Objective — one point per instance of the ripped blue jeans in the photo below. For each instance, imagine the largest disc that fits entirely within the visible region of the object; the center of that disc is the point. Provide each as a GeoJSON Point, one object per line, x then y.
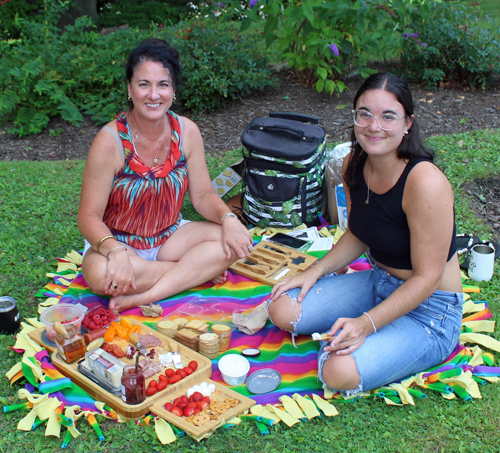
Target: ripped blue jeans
{"type": "Point", "coordinates": [419, 340]}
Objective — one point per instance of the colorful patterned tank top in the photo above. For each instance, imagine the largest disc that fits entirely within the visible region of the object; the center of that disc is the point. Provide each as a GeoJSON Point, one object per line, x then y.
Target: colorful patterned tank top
{"type": "Point", "coordinates": [144, 207]}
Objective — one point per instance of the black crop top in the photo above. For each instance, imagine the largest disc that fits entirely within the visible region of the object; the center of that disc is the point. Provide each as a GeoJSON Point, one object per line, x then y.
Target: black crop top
{"type": "Point", "coordinates": [382, 225]}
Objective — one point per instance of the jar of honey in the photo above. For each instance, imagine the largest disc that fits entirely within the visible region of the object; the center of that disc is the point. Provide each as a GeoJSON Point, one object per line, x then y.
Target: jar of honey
{"type": "Point", "coordinates": [133, 385]}
{"type": "Point", "coordinates": [69, 342]}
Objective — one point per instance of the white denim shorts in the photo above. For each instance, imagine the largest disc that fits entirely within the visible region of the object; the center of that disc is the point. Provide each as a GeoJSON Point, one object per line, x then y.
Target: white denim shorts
{"type": "Point", "coordinates": [147, 254]}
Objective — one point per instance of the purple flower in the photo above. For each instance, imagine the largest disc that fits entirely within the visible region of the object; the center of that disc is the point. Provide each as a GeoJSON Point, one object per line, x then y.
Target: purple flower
{"type": "Point", "coordinates": [219, 4]}
{"type": "Point", "coordinates": [406, 35]}
{"type": "Point", "coordinates": [334, 49]}
{"type": "Point", "coordinates": [423, 44]}
{"type": "Point", "coordinates": [415, 35]}
{"type": "Point", "coordinates": [253, 3]}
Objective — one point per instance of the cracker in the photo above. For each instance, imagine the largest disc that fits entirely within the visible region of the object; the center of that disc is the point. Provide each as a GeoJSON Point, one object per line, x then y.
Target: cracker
{"type": "Point", "coordinates": [209, 337]}
{"type": "Point", "coordinates": [181, 322]}
{"type": "Point", "coordinates": [188, 333]}
{"type": "Point", "coordinates": [201, 419]}
{"type": "Point", "coordinates": [194, 324]}
{"type": "Point", "coordinates": [167, 325]}
{"type": "Point", "coordinates": [220, 328]}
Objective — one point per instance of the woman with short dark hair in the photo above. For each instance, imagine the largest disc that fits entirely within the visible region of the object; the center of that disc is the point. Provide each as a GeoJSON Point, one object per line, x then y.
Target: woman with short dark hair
{"type": "Point", "coordinates": [138, 248]}
{"type": "Point", "coordinates": [404, 315]}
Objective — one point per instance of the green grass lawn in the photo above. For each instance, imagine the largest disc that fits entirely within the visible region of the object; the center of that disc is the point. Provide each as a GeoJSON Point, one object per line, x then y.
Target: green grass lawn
{"type": "Point", "coordinates": [488, 10]}
{"type": "Point", "coordinates": [38, 206]}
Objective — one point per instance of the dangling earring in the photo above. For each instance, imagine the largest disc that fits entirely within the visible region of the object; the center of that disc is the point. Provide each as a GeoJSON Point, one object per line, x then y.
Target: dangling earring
{"type": "Point", "coordinates": [129, 98]}
{"type": "Point", "coordinates": [174, 98]}
{"type": "Point", "coordinates": [406, 132]}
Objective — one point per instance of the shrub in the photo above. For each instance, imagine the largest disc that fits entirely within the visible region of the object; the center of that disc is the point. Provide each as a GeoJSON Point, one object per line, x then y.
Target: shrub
{"type": "Point", "coordinates": [325, 40]}
{"type": "Point", "coordinates": [140, 13]}
{"type": "Point", "coordinates": [8, 11]}
{"type": "Point", "coordinates": [47, 74]}
{"type": "Point", "coordinates": [219, 63]}
{"type": "Point", "coordinates": [451, 48]}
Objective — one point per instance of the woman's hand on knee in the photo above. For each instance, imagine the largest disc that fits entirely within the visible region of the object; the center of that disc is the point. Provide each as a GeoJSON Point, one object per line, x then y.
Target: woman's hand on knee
{"type": "Point", "coordinates": [120, 275]}
{"type": "Point", "coordinates": [348, 334]}
{"type": "Point", "coordinates": [235, 237]}
{"type": "Point", "coordinates": [304, 280]}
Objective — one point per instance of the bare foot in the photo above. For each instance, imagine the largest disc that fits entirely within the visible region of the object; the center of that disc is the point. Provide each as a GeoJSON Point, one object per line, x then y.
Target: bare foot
{"type": "Point", "coordinates": [127, 301]}
{"type": "Point", "coordinates": [220, 279]}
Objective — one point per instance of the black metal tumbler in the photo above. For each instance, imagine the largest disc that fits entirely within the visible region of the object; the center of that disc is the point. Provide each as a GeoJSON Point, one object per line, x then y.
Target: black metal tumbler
{"type": "Point", "coordinates": [9, 315]}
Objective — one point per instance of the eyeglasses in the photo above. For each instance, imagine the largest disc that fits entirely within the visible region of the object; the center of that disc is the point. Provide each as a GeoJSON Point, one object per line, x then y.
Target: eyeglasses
{"type": "Point", "coordinates": [387, 122]}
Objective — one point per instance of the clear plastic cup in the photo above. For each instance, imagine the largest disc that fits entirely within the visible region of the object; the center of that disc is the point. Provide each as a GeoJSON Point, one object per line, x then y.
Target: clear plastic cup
{"type": "Point", "coordinates": [63, 313]}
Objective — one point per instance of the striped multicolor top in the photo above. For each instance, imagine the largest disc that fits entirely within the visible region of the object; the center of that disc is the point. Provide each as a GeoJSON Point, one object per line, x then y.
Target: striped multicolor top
{"type": "Point", "coordinates": [144, 206]}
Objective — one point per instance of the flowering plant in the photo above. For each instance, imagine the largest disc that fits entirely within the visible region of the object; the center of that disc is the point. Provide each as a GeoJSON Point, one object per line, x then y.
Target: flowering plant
{"type": "Point", "coordinates": [451, 49]}
{"type": "Point", "coordinates": [325, 40]}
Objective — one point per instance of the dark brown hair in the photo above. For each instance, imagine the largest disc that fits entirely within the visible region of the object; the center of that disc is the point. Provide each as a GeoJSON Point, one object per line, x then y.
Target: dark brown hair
{"type": "Point", "coordinates": [411, 145]}
{"type": "Point", "coordinates": [156, 50]}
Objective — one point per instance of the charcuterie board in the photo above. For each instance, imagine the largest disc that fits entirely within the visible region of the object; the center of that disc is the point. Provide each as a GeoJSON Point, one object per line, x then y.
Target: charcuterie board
{"type": "Point", "coordinates": [128, 411]}
{"type": "Point", "coordinates": [268, 263]}
{"type": "Point", "coordinates": [236, 405]}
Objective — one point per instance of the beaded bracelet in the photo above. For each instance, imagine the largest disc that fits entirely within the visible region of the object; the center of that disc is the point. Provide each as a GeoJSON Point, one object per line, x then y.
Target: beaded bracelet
{"type": "Point", "coordinates": [102, 240]}
{"type": "Point", "coordinates": [326, 269]}
{"type": "Point", "coordinates": [371, 320]}
{"type": "Point", "coordinates": [116, 248]}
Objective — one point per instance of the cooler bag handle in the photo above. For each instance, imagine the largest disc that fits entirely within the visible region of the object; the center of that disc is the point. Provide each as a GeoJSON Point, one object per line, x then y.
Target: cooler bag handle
{"type": "Point", "coordinates": [296, 134]}
{"type": "Point", "coordinates": [295, 117]}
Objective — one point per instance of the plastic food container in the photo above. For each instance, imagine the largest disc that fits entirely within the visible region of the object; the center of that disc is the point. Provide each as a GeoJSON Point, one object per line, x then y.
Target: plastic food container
{"type": "Point", "coordinates": [234, 369]}
{"type": "Point", "coordinates": [107, 317]}
{"type": "Point", "coordinates": [65, 314]}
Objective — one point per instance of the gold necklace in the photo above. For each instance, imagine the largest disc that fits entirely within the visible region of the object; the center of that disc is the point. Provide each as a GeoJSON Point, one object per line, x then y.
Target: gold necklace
{"type": "Point", "coordinates": [160, 140]}
{"type": "Point", "coordinates": [369, 192]}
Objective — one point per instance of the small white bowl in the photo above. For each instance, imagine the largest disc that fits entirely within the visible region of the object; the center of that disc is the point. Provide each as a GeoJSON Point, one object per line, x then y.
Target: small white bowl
{"type": "Point", "coordinates": [234, 369]}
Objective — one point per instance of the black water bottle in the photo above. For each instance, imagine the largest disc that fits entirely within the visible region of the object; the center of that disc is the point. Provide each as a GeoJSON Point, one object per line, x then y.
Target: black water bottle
{"type": "Point", "coordinates": [9, 316]}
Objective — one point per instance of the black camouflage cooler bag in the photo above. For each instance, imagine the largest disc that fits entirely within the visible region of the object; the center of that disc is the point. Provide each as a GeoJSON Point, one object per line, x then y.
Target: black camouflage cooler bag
{"type": "Point", "coordinates": [283, 180]}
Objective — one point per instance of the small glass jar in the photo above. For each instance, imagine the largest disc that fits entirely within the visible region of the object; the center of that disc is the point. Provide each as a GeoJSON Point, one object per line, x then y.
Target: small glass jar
{"type": "Point", "coordinates": [133, 385]}
{"type": "Point", "coordinates": [70, 344]}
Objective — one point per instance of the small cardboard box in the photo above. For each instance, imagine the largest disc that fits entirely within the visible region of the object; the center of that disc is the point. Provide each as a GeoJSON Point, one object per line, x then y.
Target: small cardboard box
{"type": "Point", "coordinates": [228, 178]}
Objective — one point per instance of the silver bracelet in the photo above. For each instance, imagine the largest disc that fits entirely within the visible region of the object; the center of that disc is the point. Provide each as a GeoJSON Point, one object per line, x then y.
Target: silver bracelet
{"type": "Point", "coordinates": [371, 320]}
{"type": "Point", "coordinates": [326, 269]}
{"type": "Point", "coordinates": [231, 214]}
{"type": "Point", "coordinates": [116, 248]}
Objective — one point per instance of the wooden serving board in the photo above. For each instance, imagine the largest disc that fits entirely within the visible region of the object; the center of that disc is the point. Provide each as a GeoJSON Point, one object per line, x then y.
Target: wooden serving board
{"type": "Point", "coordinates": [128, 411]}
{"type": "Point", "coordinates": [270, 262]}
{"type": "Point", "coordinates": [221, 393]}
{"type": "Point", "coordinates": [37, 336]}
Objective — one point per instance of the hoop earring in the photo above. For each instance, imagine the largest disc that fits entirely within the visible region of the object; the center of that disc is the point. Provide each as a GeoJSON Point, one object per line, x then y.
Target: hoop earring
{"type": "Point", "coordinates": [129, 98]}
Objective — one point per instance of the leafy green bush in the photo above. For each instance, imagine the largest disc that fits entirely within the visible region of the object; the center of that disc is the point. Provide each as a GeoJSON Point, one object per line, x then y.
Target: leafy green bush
{"type": "Point", "coordinates": [219, 63]}
{"type": "Point", "coordinates": [451, 48]}
{"type": "Point", "coordinates": [47, 74]}
{"type": "Point", "coordinates": [325, 40]}
{"type": "Point", "coordinates": [140, 13]}
{"type": "Point", "coordinates": [23, 8]}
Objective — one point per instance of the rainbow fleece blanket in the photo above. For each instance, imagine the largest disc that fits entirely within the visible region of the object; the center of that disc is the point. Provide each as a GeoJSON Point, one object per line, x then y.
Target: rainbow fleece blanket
{"type": "Point", "coordinates": [296, 364]}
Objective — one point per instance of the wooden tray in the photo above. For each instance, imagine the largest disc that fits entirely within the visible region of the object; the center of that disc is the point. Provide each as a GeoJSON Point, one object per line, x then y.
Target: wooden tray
{"type": "Point", "coordinates": [128, 411]}
{"type": "Point", "coordinates": [270, 262]}
{"type": "Point", "coordinates": [37, 336]}
{"type": "Point", "coordinates": [221, 392]}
